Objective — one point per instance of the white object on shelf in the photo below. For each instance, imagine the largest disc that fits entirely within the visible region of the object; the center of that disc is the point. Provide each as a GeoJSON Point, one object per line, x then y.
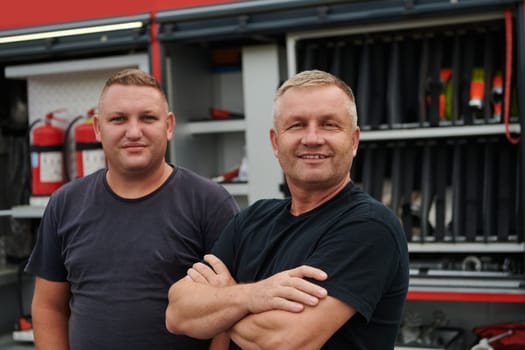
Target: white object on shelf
{"type": "Point", "coordinates": [215, 126]}
{"type": "Point", "coordinates": [23, 336]}
{"type": "Point", "coordinates": [236, 189]}
{"type": "Point", "coordinates": [243, 170]}
{"type": "Point", "coordinates": [76, 66]}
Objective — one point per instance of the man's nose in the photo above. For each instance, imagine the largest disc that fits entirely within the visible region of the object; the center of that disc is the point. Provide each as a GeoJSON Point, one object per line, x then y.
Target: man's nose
{"type": "Point", "coordinates": [133, 129]}
{"type": "Point", "coordinates": [312, 136]}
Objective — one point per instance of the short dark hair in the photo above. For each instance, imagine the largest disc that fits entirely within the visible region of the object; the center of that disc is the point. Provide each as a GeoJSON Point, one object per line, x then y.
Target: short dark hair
{"type": "Point", "coordinates": [133, 77]}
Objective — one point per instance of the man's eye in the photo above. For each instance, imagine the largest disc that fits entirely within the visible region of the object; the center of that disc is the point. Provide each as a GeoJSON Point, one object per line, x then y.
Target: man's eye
{"type": "Point", "coordinates": [149, 118]}
{"type": "Point", "coordinates": [330, 125]}
{"type": "Point", "coordinates": [118, 119]}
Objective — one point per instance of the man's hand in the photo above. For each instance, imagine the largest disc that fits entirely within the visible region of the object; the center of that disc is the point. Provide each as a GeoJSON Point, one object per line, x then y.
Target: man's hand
{"type": "Point", "coordinates": [287, 290]}
{"type": "Point", "coordinates": [217, 275]}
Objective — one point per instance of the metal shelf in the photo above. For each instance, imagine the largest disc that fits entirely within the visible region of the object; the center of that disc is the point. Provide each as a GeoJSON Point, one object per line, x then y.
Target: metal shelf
{"type": "Point", "coordinates": [24, 212]}
{"type": "Point", "coordinates": [215, 126]}
{"type": "Point", "coordinates": [236, 189]}
{"type": "Point", "coordinates": [407, 133]}
{"type": "Point", "coordinates": [464, 247]}
{"type": "Point", "coordinates": [78, 66]}
{"type": "Point", "coordinates": [8, 275]}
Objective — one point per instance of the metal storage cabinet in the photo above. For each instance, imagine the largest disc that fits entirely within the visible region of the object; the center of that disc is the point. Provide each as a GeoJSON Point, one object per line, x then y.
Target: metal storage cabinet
{"type": "Point", "coordinates": [48, 74]}
{"type": "Point", "coordinates": [213, 147]}
{"type": "Point", "coordinates": [448, 177]}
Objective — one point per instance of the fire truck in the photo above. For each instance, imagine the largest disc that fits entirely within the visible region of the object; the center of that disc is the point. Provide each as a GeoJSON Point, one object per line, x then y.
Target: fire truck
{"type": "Point", "coordinates": [440, 91]}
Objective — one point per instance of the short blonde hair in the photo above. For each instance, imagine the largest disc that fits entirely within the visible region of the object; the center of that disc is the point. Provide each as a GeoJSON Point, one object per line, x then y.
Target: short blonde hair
{"type": "Point", "coordinates": [314, 78]}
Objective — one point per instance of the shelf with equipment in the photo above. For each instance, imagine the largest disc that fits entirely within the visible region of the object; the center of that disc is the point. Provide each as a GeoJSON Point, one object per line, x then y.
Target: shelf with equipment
{"type": "Point", "coordinates": [72, 86]}
{"type": "Point", "coordinates": [222, 96]}
{"type": "Point", "coordinates": [426, 148]}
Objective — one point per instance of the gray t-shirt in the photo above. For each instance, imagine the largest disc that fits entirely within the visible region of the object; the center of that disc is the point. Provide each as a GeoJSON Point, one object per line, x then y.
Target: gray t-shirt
{"type": "Point", "coordinates": [122, 255]}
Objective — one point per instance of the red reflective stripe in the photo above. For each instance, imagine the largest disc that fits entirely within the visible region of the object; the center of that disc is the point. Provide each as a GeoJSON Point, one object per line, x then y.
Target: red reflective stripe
{"type": "Point", "coordinates": [466, 296]}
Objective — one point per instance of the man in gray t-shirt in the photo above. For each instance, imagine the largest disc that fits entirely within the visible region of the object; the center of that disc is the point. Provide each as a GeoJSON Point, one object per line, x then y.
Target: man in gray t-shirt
{"type": "Point", "coordinates": [110, 244]}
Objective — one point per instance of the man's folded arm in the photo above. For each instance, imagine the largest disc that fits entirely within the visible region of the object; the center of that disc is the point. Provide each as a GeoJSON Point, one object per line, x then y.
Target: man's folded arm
{"type": "Point", "coordinates": [277, 329]}
{"type": "Point", "coordinates": [208, 301]}
{"type": "Point", "coordinates": [203, 311]}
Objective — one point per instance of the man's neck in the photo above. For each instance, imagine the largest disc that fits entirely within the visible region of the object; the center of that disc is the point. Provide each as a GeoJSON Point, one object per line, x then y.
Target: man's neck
{"type": "Point", "coordinates": [137, 185]}
{"type": "Point", "coordinates": [306, 199]}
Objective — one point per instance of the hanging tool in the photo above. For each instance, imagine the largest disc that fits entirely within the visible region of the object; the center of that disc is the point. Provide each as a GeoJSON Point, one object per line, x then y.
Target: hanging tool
{"type": "Point", "coordinates": [484, 342]}
{"type": "Point", "coordinates": [363, 87]}
{"type": "Point", "coordinates": [458, 184]}
{"type": "Point", "coordinates": [497, 96]}
{"type": "Point", "coordinates": [466, 68]}
{"type": "Point", "coordinates": [505, 191]}
{"type": "Point", "coordinates": [393, 86]}
{"type": "Point", "coordinates": [422, 85]}
{"type": "Point", "coordinates": [488, 203]}
{"type": "Point", "coordinates": [378, 88]}
{"type": "Point", "coordinates": [410, 59]}
{"type": "Point", "coordinates": [471, 190]}
{"type": "Point", "coordinates": [488, 64]}
{"type": "Point", "coordinates": [349, 69]}
{"type": "Point", "coordinates": [434, 87]}
{"type": "Point", "coordinates": [408, 185]}
{"type": "Point", "coordinates": [445, 97]}
{"type": "Point", "coordinates": [396, 176]}
{"type": "Point", "coordinates": [455, 79]}
{"type": "Point", "coordinates": [441, 171]}
{"type": "Point", "coordinates": [508, 74]}
{"type": "Point", "coordinates": [335, 64]}
{"type": "Point", "coordinates": [218, 113]}
{"type": "Point", "coordinates": [477, 89]}
{"type": "Point", "coordinates": [427, 188]}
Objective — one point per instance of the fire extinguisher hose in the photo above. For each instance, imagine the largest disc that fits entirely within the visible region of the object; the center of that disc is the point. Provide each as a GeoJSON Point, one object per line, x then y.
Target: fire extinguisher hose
{"type": "Point", "coordinates": [65, 149]}
{"type": "Point", "coordinates": [508, 75]}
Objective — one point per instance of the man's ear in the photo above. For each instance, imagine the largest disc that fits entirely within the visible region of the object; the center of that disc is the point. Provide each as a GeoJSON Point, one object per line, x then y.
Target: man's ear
{"type": "Point", "coordinates": [355, 140]}
{"type": "Point", "coordinates": [96, 126]}
{"type": "Point", "coordinates": [172, 122]}
{"type": "Point", "coordinates": [274, 142]}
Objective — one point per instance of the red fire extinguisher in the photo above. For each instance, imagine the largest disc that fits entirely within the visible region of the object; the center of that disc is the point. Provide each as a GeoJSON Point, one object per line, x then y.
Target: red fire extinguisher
{"type": "Point", "coordinates": [47, 158]}
{"type": "Point", "coordinates": [89, 153]}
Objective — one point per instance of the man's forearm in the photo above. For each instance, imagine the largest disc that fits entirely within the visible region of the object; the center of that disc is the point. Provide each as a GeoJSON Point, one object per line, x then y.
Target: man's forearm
{"type": "Point", "coordinates": [220, 342]}
{"type": "Point", "coordinates": [203, 311]}
{"type": "Point", "coordinates": [50, 330]}
{"type": "Point", "coordinates": [270, 330]}
{"type": "Point", "coordinates": [208, 301]}
{"type": "Point", "coordinates": [278, 329]}
{"type": "Point", "coordinates": [261, 331]}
